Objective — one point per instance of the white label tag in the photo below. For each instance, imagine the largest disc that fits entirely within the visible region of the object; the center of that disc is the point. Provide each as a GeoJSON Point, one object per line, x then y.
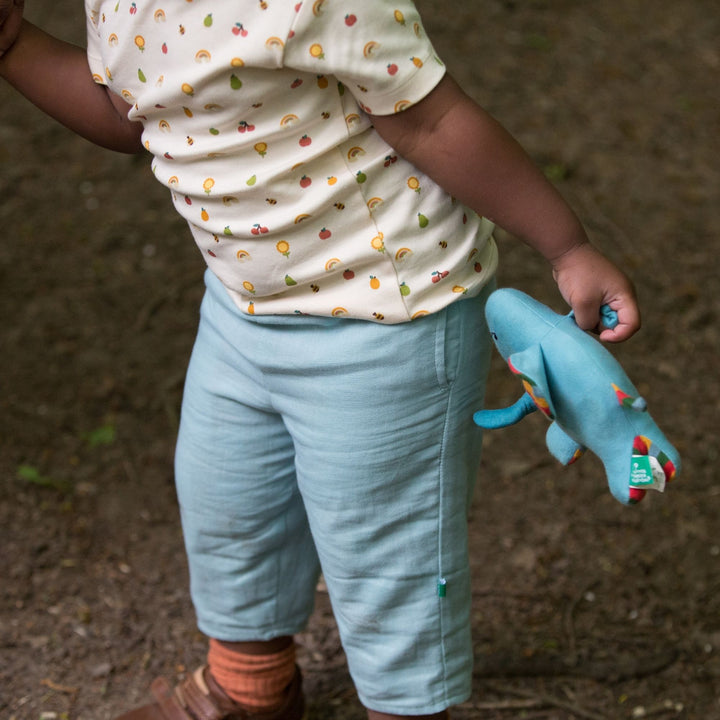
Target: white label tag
{"type": "Point", "coordinates": [646, 473]}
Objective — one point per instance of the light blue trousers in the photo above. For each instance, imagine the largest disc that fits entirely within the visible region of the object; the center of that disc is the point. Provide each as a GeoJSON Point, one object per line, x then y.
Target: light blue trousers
{"type": "Point", "coordinates": [346, 446]}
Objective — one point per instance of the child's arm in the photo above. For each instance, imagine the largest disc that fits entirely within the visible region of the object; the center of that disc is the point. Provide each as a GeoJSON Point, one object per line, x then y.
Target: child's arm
{"type": "Point", "coordinates": [449, 137]}
{"type": "Point", "coordinates": [55, 76]}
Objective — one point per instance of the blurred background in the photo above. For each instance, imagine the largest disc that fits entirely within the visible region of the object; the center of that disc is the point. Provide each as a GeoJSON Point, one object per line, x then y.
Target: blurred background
{"type": "Point", "coordinates": [583, 608]}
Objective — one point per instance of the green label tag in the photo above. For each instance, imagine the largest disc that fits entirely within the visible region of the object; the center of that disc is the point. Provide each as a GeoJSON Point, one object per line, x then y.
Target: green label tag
{"type": "Point", "coordinates": [646, 473]}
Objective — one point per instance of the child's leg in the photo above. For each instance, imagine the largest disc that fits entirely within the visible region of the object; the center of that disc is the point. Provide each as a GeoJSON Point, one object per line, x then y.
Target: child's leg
{"type": "Point", "coordinates": [386, 457]}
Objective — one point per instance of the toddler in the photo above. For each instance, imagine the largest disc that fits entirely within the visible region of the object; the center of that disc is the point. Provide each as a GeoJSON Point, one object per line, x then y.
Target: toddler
{"type": "Point", "coordinates": [342, 190]}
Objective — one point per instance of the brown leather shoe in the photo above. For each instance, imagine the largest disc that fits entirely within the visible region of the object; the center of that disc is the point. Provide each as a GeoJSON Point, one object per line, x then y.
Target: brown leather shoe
{"type": "Point", "coordinates": [199, 697]}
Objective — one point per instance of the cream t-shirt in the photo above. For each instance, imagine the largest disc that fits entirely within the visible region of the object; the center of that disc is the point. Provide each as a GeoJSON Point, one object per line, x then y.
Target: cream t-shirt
{"type": "Point", "coordinates": [256, 114]}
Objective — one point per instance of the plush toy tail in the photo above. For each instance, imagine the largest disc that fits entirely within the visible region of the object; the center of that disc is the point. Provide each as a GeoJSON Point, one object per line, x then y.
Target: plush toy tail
{"type": "Point", "coordinates": [502, 417]}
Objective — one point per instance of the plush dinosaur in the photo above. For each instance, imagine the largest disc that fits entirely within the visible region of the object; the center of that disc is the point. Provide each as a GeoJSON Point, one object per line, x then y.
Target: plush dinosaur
{"type": "Point", "coordinates": [573, 380]}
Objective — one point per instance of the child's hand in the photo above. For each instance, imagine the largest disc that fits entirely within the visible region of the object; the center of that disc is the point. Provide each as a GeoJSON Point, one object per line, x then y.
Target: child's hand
{"type": "Point", "coordinates": [11, 12]}
{"type": "Point", "coordinates": [587, 280]}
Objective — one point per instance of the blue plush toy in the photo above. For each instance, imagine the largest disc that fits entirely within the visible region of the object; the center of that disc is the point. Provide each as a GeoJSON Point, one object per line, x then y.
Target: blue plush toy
{"type": "Point", "coordinates": [583, 390]}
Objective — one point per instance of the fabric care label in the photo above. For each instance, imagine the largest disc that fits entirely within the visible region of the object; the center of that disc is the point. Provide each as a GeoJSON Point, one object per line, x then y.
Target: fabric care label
{"type": "Point", "coordinates": [646, 473]}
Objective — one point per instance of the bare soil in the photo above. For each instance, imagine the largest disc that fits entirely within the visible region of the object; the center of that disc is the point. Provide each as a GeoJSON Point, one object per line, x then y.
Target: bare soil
{"type": "Point", "coordinates": [583, 609]}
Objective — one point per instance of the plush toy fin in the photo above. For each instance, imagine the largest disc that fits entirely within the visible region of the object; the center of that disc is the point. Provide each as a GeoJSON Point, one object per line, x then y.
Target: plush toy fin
{"type": "Point", "coordinates": [628, 401]}
{"type": "Point", "coordinates": [502, 417]}
{"type": "Point", "coordinates": [562, 446]}
{"type": "Point", "coordinates": [529, 364]}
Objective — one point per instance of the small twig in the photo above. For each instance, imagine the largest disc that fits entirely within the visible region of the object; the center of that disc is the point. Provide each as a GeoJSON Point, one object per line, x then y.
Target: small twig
{"type": "Point", "coordinates": [549, 700]}
{"type": "Point", "coordinates": [569, 622]}
{"type": "Point", "coordinates": [508, 705]}
{"type": "Point", "coordinates": [64, 689]}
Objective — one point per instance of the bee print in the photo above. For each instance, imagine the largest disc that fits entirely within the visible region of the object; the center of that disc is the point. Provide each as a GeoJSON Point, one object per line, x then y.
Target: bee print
{"type": "Point", "coordinates": [314, 288]}
{"type": "Point", "coordinates": [339, 206]}
{"type": "Point", "coordinates": [443, 244]}
{"type": "Point", "coordinates": [271, 201]}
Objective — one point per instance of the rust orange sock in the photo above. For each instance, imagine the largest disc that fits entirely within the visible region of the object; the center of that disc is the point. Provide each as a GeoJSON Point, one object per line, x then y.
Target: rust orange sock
{"type": "Point", "coordinates": [257, 682]}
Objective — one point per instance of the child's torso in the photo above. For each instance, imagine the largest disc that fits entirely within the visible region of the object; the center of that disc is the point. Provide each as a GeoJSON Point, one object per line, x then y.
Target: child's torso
{"type": "Point", "coordinates": [297, 204]}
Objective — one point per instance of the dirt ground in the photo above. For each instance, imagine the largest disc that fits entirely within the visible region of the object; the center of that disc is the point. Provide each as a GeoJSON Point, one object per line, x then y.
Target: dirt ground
{"type": "Point", "coordinates": [583, 609]}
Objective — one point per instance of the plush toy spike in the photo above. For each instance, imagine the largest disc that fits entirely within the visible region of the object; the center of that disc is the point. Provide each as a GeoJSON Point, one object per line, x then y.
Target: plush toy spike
{"type": "Point", "coordinates": [583, 390]}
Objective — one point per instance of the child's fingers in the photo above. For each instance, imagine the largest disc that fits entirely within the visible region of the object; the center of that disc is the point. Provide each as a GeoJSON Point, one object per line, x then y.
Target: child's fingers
{"type": "Point", "coordinates": [628, 323]}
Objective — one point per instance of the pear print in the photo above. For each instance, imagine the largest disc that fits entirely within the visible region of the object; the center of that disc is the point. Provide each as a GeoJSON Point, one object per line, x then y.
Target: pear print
{"type": "Point", "coordinates": [208, 21]}
{"type": "Point", "coordinates": [423, 222]}
{"type": "Point", "coordinates": [235, 82]}
{"type": "Point", "coordinates": [289, 281]}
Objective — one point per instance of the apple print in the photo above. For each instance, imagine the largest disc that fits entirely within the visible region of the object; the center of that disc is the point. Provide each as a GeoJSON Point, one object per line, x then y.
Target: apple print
{"type": "Point", "coordinates": [188, 200]}
{"type": "Point", "coordinates": [478, 267]}
{"type": "Point", "coordinates": [392, 69]}
{"type": "Point", "coordinates": [305, 141]}
{"type": "Point", "coordinates": [361, 177]}
{"type": "Point", "coordinates": [350, 20]}
{"type": "Point", "coordinates": [324, 234]}
{"type": "Point", "coordinates": [305, 181]}
{"type": "Point", "coordinates": [296, 83]}
{"type": "Point", "coordinates": [164, 48]}
{"type": "Point", "coordinates": [348, 274]}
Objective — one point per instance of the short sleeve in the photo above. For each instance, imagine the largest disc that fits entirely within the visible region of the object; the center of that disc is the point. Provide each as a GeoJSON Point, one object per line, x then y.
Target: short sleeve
{"type": "Point", "coordinates": [95, 61]}
{"type": "Point", "coordinates": [378, 50]}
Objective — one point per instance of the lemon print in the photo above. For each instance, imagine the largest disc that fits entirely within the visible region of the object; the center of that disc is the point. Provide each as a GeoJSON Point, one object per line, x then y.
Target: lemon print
{"type": "Point", "coordinates": [417, 62]}
{"type": "Point", "coordinates": [331, 180]}
{"type": "Point", "coordinates": [399, 17]}
{"type": "Point", "coordinates": [208, 185]}
{"type": "Point", "coordinates": [414, 184]}
{"type": "Point", "coordinates": [261, 148]}
{"type": "Point", "coordinates": [188, 89]}
{"type": "Point", "coordinates": [377, 243]}
{"type": "Point", "coordinates": [187, 110]}
{"type": "Point", "coordinates": [237, 62]}
{"type": "Point", "coordinates": [374, 282]}
{"type": "Point", "coordinates": [140, 42]}
{"type": "Point", "coordinates": [249, 286]}
{"type": "Point", "coordinates": [204, 214]}
{"type": "Point", "coordinates": [316, 51]}
{"type": "Point", "coordinates": [459, 289]}
{"type": "Point", "coordinates": [283, 247]}
{"type": "Point", "coordinates": [251, 308]}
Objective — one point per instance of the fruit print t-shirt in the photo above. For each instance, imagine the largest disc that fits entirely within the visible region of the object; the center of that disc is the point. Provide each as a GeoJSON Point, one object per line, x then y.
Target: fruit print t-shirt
{"type": "Point", "coordinates": [256, 113]}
